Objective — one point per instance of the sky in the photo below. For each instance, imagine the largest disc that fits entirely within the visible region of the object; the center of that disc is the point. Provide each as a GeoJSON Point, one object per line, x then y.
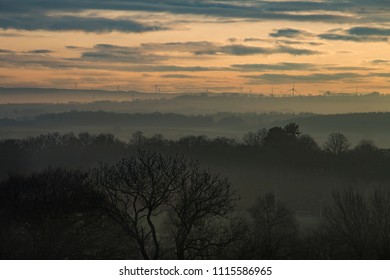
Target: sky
{"type": "Point", "coordinates": [248, 46]}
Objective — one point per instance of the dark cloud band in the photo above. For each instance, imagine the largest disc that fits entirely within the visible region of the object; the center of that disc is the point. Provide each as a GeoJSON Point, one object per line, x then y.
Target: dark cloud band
{"type": "Point", "coordinates": [72, 23]}
{"type": "Point", "coordinates": [34, 14]}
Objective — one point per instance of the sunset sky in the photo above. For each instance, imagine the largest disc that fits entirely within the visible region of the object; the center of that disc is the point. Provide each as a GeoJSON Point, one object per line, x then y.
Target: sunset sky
{"type": "Point", "coordinates": [190, 46]}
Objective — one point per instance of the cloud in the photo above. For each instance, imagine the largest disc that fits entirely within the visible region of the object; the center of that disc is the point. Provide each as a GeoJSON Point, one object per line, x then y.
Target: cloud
{"type": "Point", "coordinates": [369, 31]}
{"type": "Point", "coordinates": [294, 42]}
{"type": "Point", "coordinates": [32, 22]}
{"type": "Point", "coordinates": [73, 47]}
{"type": "Point", "coordinates": [177, 76]}
{"type": "Point", "coordinates": [289, 66]}
{"type": "Point", "coordinates": [296, 51]}
{"type": "Point", "coordinates": [210, 48]}
{"type": "Point", "coordinates": [311, 78]}
{"type": "Point", "coordinates": [382, 75]}
{"type": "Point", "coordinates": [347, 77]}
{"type": "Point", "coordinates": [195, 47]}
{"type": "Point", "coordinates": [5, 51]}
{"type": "Point", "coordinates": [242, 50]}
{"type": "Point", "coordinates": [358, 34]}
{"type": "Point", "coordinates": [348, 68]}
{"type": "Point", "coordinates": [40, 51]}
{"type": "Point", "coordinates": [353, 38]}
{"type": "Point", "coordinates": [34, 15]}
{"type": "Point", "coordinates": [119, 54]}
{"type": "Point", "coordinates": [289, 33]}
{"type": "Point", "coordinates": [175, 68]}
{"type": "Point", "coordinates": [9, 34]}
{"type": "Point", "coordinates": [253, 39]}
{"type": "Point", "coordinates": [32, 60]}
{"type": "Point", "coordinates": [102, 57]}
{"type": "Point", "coordinates": [297, 34]}
{"type": "Point", "coordinates": [232, 39]}
{"type": "Point", "coordinates": [364, 6]}
{"type": "Point", "coordinates": [380, 62]}
{"type": "Point", "coordinates": [286, 66]}
{"type": "Point", "coordinates": [144, 59]}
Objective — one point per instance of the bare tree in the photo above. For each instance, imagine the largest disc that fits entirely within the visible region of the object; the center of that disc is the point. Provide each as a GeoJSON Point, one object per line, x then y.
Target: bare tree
{"type": "Point", "coordinates": [381, 222]}
{"type": "Point", "coordinates": [255, 138]}
{"type": "Point", "coordinates": [137, 190]}
{"type": "Point", "coordinates": [365, 147]}
{"type": "Point", "coordinates": [199, 213]}
{"type": "Point", "coordinates": [346, 223]}
{"type": "Point", "coordinates": [307, 143]}
{"type": "Point", "coordinates": [274, 228]}
{"type": "Point", "coordinates": [337, 144]}
{"type": "Point", "coordinates": [138, 138]}
{"type": "Point", "coordinates": [144, 189]}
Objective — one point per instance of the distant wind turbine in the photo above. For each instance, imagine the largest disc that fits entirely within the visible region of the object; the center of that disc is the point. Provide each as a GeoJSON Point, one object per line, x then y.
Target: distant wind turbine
{"type": "Point", "coordinates": [293, 90]}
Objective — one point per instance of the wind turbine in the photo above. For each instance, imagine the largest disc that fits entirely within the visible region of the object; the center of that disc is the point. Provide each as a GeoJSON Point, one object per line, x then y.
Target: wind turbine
{"type": "Point", "coordinates": [293, 90]}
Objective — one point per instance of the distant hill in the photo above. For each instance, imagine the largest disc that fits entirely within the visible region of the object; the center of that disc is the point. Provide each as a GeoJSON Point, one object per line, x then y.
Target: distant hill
{"type": "Point", "coordinates": [62, 100]}
{"type": "Point", "coordinates": [195, 103]}
{"type": "Point", "coordinates": [54, 95]}
{"type": "Point", "coordinates": [355, 126]}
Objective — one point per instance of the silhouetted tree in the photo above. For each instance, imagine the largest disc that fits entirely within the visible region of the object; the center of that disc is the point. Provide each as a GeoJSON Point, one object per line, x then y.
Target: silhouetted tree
{"type": "Point", "coordinates": [198, 211]}
{"type": "Point", "coordinates": [50, 215]}
{"type": "Point", "coordinates": [307, 143]}
{"type": "Point", "coordinates": [346, 224]}
{"type": "Point", "coordinates": [276, 136]}
{"type": "Point", "coordinates": [275, 229]}
{"type": "Point", "coordinates": [85, 139]}
{"type": "Point", "coordinates": [138, 138]}
{"type": "Point", "coordinates": [141, 189]}
{"type": "Point", "coordinates": [366, 147]}
{"type": "Point", "coordinates": [137, 190]}
{"type": "Point", "coordinates": [255, 138]}
{"type": "Point", "coordinates": [381, 222]}
{"type": "Point", "coordinates": [156, 140]}
{"type": "Point", "coordinates": [282, 137]}
{"type": "Point", "coordinates": [337, 144]}
{"type": "Point", "coordinates": [292, 129]}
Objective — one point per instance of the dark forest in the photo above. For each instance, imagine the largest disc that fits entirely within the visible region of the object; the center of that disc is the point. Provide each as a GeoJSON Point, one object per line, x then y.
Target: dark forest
{"type": "Point", "coordinates": [274, 194]}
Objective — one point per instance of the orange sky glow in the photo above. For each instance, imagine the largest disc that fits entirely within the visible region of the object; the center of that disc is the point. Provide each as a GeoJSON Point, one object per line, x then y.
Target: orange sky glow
{"type": "Point", "coordinates": [194, 46]}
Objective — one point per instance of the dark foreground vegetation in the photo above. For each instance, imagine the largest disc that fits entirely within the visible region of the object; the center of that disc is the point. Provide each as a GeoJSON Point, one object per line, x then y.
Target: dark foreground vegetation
{"type": "Point", "coordinates": [274, 195]}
